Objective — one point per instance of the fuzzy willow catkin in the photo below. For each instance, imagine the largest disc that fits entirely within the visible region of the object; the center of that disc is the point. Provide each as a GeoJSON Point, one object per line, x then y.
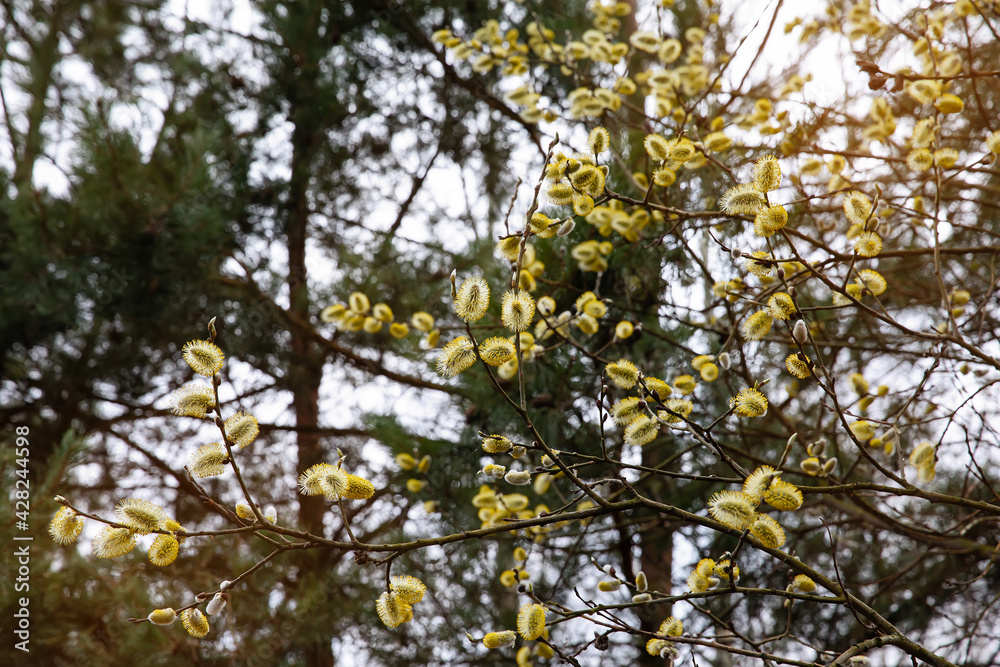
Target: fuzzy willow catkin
{"type": "Point", "coordinates": [531, 621]}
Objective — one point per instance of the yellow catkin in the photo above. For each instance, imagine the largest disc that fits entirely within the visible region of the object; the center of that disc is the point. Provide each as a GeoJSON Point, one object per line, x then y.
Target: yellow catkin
{"type": "Point", "coordinates": [767, 530]}
{"type": "Point", "coordinates": [671, 627]}
{"type": "Point", "coordinates": [496, 350]}
{"type": "Point", "coordinates": [531, 621]}
{"type": "Point", "coordinates": [782, 495]}
{"type": "Point", "coordinates": [757, 325]}
{"type": "Point", "coordinates": [455, 357]}
{"type": "Point", "coordinates": [742, 200]}
{"type": "Point", "coordinates": [203, 357]}
{"type": "Point", "coordinates": [623, 373]}
{"type": "Point", "coordinates": [766, 174]}
{"type": "Point", "coordinates": [409, 589]}
{"type": "Point", "coordinates": [803, 584]}
{"type": "Point", "coordinates": [393, 610]}
{"type": "Point", "coordinates": [641, 430]}
{"type": "Point", "coordinates": [517, 310]}
{"type": "Point", "coordinates": [473, 299]}
{"type": "Point", "coordinates": [358, 488]}
{"type": "Point", "coordinates": [732, 508]}
{"type": "Point", "coordinates": [503, 639]}
{"type": "Point", "coordinates": [194, 622]}
{"type": "Point", "coordinates": [163, 550]}
{"type": "Point", "coordinates": [749, 403]}
{"type": "Point", "coordinates": [65, 526]}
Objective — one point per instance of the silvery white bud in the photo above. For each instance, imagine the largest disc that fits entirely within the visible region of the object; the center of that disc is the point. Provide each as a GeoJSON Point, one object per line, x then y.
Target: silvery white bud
{"type": "Point", "coordinates": [669, 652]}
{"type": "Point", "coordinates": [725, 361]}
{"type": "Point", "coordinates": [271, 514]}
{"type": "Point", "coordinates": [800, 332]}
{"type": "Point", "coordinates": [518, 477]}
{"type": "Point", "coordinates": [566, 228]}
{"type": "Point", "coordinates": [829, 466]}
{"type": "Point", "coordinates": [216, 605]}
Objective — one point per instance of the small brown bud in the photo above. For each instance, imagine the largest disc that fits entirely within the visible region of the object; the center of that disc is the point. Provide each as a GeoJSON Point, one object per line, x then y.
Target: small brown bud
{"type": "Point", "coordinates": [877, 81]}
{"type": "Point", "coordinates": [867, 66]}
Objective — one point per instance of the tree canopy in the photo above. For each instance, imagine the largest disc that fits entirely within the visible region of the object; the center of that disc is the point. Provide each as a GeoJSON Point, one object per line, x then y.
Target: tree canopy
{"type": "Point", "coordinates": [479, 333]}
